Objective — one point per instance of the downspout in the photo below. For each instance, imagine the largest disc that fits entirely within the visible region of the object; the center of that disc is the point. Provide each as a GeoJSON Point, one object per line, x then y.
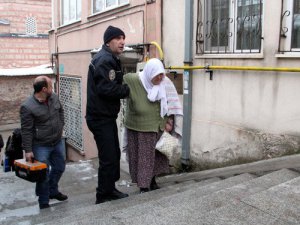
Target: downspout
{"type": "Point", "coordinates": [187, 85]}
{"type": "Point", "coordinates": [145, 30]}
{"type": "Point", "coordinates": [57, 71]}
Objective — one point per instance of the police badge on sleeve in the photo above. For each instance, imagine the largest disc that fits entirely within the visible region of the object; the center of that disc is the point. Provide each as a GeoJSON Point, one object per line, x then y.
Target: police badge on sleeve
{"type": "Point", "coordinates": [112, 75]}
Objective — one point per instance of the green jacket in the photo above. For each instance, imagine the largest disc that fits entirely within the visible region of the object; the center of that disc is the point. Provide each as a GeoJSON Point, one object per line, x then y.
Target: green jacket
{"type": "Point", "coordinates": [141, 114]}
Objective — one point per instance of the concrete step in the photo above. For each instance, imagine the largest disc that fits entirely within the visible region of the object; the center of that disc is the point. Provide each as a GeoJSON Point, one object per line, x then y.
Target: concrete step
{"type": "Point", "coordinates": [194, 204]}
{"type": "Point", "coordinates": [83, 203]}
{"type": "Point", "coordinates": [267, 207]}
{"type": "Point", "coordinates": [77, 202]}
{"type": "Point", "coordinates": [181, 200]}
{"type": "Point", "coordinates": [127, 208]}
{"type": "Point", "coordinates": [241, 211]}
{"type": "Point", "coordinates": [281, 201]}
{"type": "Point", "coordinates": [260, 168]}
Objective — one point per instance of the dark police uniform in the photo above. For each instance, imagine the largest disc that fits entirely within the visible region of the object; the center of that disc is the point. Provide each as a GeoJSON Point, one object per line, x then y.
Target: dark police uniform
{"type": "Point", "coordinates": [104, 91]}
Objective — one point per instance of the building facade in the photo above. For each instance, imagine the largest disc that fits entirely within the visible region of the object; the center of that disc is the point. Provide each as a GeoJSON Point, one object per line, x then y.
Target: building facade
{"type": "Point", "coordinates": [24, 27]}
{"type": "Point", "coordinates": [243, 101]}
{"type": "Point", "coordinates": [240, 98]}
{"type": "Point", "coordinates": [77, 32]}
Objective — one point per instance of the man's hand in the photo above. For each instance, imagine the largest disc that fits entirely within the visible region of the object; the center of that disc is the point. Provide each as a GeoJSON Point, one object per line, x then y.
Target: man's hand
{"type": "Point", "coordinates": [29, 156]}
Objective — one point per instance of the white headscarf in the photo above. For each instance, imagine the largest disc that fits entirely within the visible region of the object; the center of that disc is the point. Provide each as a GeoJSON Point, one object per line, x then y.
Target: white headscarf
{"type": "Point", "coordinates": [155, 92]}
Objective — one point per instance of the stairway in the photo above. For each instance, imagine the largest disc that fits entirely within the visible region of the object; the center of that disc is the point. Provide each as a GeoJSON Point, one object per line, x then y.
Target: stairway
{"type": "Point", "coordinates": [241, 196]}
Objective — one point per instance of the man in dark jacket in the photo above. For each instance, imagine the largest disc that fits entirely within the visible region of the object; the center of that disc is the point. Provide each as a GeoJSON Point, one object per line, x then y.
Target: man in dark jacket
{"type": "Point", "coordinates": [104, 91]}
{"type": "Point", "coordinates": [42, 121]}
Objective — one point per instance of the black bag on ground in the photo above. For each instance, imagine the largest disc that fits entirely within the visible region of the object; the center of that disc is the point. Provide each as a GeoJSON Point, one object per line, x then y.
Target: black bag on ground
{"type": "Point", "coordinates": [13, 148]}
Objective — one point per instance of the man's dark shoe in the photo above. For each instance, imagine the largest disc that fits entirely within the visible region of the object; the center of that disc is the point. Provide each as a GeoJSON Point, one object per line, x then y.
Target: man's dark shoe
{"type": "Point", "coordinates": [44, 206]}
{"type": "Point", "coordinates": [116, 194]}
{"type": "Point", "coordinates": [101, 199]}
{"type": "Point", "coordinates": [59, 197]}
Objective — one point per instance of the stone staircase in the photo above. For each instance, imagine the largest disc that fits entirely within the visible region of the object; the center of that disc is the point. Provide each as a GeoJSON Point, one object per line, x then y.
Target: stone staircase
{"type": "Point", "coordinates": [266, 192]}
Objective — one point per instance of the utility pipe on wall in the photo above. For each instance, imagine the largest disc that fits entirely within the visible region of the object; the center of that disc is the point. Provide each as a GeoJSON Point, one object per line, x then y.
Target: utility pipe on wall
{"type": "Point", "coordinates": [161, 54]}
{"type": "Point", "coordinates": [245, 68]}
{"type": "Point", "coordinates": [187, 84]}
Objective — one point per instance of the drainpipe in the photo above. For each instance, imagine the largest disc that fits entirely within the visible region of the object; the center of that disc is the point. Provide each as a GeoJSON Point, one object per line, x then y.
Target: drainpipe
{"type": "Point", "coordinates": [187, 85]}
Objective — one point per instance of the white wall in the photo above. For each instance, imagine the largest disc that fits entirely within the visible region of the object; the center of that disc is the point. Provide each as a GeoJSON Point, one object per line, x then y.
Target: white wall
{"type": "Point", "coordinates": [238, 116]}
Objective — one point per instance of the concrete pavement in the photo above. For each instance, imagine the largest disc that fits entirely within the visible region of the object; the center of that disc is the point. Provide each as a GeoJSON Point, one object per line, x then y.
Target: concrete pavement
{"type": "Point", "coordinates": [263, 192]}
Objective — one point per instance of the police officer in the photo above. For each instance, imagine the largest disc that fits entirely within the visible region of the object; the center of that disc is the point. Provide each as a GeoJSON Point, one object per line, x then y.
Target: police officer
{"type": "Point", "coordinates": [104, 91]}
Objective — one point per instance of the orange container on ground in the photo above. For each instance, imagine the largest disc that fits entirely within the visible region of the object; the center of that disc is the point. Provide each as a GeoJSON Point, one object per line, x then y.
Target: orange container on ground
{"type": "Point", "coordinates": [30, 171]}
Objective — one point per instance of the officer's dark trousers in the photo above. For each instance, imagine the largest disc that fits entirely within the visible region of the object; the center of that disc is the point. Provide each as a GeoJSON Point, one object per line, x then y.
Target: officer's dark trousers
{"type": "Point", "coordinates": [106, 137]}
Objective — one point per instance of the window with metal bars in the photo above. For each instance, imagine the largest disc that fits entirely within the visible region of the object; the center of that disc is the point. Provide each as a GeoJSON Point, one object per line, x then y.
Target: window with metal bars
{"type": "Point", "coordinates": [290, 26]}
{"type": "Point", "coordinates": [229, 26]}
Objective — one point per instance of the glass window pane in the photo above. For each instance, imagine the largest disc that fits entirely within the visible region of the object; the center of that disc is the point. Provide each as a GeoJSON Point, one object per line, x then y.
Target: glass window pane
{"type": "Point", "coordinates": [66, 10]}
{"type": "Point", "coordinates": [98, 6]}
{"type": "Point", "coordinates": [78, 14]}
{"type": "Point", "coordinates": [248, 25]}
{"type": "Point", "coordinates": [296, 25]}
{"type": "Point", "coordinates": [232, 26]}
{"type": "Point", "coordinates": [123, 2]}
{"type": "Point", "coordinates": [217, 24]}
{"type": "Point", "coordinates": [110, 3]}
{"type": "Point", "coordinates": [72, 11]}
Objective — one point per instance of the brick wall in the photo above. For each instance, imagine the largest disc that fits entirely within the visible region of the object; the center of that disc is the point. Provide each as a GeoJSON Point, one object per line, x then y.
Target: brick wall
{"type": "Point", "coordinates": [23, 52]}
{"type": "Point", "coordinates": [17, 48]}
{"type": "Point", "coordinates": [13, 91]}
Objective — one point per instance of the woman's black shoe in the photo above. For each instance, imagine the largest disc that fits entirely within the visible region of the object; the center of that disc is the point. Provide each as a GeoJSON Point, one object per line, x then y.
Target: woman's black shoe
{"type": "Point", "coordinates": [143, 190]}
{"type": "Point", "coordinates": [153, 184]}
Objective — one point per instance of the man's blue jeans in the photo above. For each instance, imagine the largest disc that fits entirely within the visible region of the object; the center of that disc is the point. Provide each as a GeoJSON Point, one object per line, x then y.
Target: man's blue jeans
{"type": "Point", "coordinates": [54, 157]}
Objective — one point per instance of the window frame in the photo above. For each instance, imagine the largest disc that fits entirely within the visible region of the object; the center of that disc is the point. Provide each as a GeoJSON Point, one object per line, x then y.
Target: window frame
{"type": "Point", "coordinates": [117, 4]}
{"type": "Point", "coordinates": [232, 25]}
{"type": "Point", "coordinates": [78, 8]}
{"type": "Point", "coordinates": [287, 28]}
{"type": "Point", "coordinates": [254, 50]}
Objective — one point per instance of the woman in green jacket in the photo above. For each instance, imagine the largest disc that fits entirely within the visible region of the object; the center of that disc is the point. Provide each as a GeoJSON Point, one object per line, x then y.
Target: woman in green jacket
{"type": "Point", "coordinates": [145, 119]}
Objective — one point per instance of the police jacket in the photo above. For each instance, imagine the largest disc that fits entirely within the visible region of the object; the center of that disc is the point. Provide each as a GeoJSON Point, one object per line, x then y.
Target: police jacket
{"type": "Point", "coordinates": [41, 124]}
{"type": "Point", "coordinates": [104, 86]}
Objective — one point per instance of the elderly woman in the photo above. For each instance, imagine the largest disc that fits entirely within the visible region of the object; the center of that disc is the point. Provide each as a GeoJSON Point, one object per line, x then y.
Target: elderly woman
{"type": "Point", "coordinates": [145, 119]}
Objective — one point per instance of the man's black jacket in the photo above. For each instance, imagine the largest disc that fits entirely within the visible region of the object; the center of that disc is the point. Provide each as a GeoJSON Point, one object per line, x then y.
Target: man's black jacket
{"type": "Point", "coordinates": [104, 86]}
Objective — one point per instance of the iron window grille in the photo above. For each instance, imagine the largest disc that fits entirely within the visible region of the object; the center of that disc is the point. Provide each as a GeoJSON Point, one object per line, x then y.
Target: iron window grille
{"type": "Point", "coordinates": [289, 40]}
{"type": "Point", "coordinates": [70, 97]}
{"type": "Point", "coordinates": [229, 26]}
